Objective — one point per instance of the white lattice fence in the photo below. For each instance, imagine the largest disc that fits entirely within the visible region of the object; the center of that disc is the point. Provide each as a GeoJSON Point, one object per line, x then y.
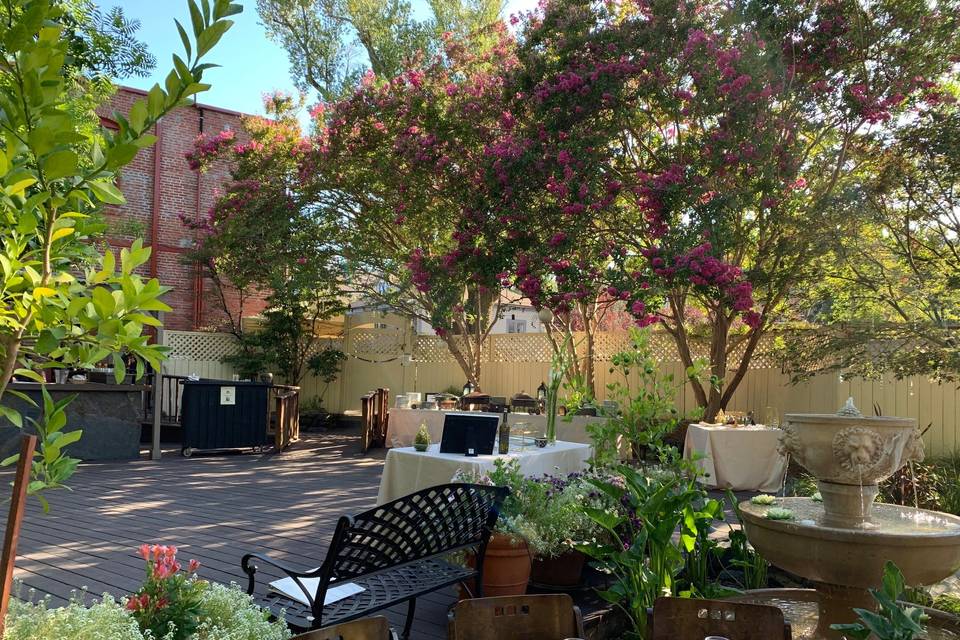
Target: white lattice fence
{"type": "Point", "coordinates": [199, 345]}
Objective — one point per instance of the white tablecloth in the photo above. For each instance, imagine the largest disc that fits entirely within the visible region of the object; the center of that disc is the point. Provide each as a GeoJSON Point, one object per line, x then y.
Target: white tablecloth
{"type": "Point", "coordinates": [743, 458]}
{"type": "Point", "coordinates": [407, 470]}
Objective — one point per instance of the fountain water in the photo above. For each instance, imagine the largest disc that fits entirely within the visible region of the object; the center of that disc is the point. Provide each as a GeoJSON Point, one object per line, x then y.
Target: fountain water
{"type": "Point", "coordinates": [842, 543]}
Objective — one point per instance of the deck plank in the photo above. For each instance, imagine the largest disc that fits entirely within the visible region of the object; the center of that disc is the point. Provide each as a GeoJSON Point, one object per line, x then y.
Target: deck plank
{"type": "Point", "coordinates": [214, 508]}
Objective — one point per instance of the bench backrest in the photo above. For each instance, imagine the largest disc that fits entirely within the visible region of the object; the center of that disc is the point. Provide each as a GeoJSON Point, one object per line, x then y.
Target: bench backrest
{"type": "Point", "coordinates": [427, 523]}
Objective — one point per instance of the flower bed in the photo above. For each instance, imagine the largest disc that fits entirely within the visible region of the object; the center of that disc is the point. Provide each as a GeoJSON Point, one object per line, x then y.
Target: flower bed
{"type": "Point", "coordinates": [173, 604]}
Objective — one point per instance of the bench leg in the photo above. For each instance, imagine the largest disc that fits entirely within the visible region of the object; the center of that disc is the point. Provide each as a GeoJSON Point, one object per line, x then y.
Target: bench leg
{"type": "Point", "coordinates": [411, 607]}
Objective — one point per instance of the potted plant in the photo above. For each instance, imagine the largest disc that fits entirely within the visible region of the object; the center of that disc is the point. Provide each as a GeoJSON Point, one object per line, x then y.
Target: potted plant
{"type": "Point", "coordinates": [507, 563]}
{"type": "Point", "coordinates": [421, 442]}
{"type": "Point", "coordinates": [557, 522]}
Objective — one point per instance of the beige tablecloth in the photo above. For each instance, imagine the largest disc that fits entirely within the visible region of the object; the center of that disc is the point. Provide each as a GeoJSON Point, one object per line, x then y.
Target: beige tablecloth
{"type": "Point", "coordinates": [743, 458]}
{"type": "Point", "coordinates": [407, 470]}
{"type": "Point", "coordinates": [404, 424]}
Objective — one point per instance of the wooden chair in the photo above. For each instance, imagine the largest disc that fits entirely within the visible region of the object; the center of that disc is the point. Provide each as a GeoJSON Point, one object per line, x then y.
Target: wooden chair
{"type": "Point", "coordinates": [530, 617]}
{"type": "Point", "coordinates": [376, 628]}
{"type": "Point", "coordinates": [690, 619]}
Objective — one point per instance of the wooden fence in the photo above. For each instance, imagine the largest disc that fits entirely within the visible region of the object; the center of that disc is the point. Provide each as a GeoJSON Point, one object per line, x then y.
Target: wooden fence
{"type": "Point", "coordinates": [393, 357]}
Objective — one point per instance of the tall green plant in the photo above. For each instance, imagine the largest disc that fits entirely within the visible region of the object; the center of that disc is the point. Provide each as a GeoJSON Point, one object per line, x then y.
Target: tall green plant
{"type": "Point", "coordinates": [647, 410]}
{"type": "Point", "coordinates": [61, 305]}
{"type": "Point", "coordinates": [645, 559]}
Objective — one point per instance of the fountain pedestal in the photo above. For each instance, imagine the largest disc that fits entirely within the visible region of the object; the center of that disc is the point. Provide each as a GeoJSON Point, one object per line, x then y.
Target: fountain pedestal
{"type": "Point", "coordinates": [847, 505]}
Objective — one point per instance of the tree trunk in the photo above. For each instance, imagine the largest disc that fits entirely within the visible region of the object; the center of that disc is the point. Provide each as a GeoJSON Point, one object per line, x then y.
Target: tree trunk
{"type": "Point", "coordinates": [470, 363]}
{"type": "Point", "coordinates": [589, 371]}
{"type": "Point", "coordinates": [718, 365]}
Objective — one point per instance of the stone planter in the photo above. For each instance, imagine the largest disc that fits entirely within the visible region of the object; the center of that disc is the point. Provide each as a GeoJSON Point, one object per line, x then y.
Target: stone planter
{"type": "Point", "coordinates": [108, 414]}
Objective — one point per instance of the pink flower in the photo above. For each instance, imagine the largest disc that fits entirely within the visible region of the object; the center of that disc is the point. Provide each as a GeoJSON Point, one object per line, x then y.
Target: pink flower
{"type": "Point", "coordinates": [193, 566]}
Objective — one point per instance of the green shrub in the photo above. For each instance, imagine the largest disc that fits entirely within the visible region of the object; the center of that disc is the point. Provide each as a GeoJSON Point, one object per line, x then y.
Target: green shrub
{"type": "Point", "coordinates": [105, 620]}
{"type": "Point", "coordinates": [229, 614]}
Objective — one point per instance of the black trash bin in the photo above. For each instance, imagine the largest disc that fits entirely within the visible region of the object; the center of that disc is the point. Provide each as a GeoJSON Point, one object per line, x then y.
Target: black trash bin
{"type": "Point", "coordinates": [224, 414]}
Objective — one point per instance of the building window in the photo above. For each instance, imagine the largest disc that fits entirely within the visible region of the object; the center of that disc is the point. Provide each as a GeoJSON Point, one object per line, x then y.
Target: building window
{"type": "Point", "coordinates": [516, 326]}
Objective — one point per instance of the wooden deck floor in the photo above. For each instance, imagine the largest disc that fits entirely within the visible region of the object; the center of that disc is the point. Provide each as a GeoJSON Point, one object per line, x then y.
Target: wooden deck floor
{"type": "Point", "coordinates": [214, 509]}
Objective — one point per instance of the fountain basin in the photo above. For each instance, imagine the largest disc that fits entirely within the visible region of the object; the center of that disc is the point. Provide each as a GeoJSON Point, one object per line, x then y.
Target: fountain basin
{"type": "Point", "coordinates": [925, 545]}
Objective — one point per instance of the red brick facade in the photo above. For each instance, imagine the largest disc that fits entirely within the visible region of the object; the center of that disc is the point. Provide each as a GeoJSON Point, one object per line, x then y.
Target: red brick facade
{"type": "Point", "coordinates": [159, 188]}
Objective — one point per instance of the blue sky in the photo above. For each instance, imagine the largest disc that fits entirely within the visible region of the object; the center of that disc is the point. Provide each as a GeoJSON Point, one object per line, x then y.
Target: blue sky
{"type": "Point", "coordinates": [251, 64]}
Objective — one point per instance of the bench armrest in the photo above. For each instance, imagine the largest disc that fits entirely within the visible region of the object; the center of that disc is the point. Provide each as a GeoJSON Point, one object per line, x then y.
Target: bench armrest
{"type": "Point", "coordinates": [250, 569]}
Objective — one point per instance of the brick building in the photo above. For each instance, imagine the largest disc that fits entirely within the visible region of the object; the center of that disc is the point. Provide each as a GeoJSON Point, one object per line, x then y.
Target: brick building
{"type": "Point", "coordinates": [159, 187]}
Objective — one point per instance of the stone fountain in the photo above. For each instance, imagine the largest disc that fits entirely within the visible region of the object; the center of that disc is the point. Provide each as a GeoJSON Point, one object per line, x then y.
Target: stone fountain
{"type": "Point", "coordinates": [842, 543]}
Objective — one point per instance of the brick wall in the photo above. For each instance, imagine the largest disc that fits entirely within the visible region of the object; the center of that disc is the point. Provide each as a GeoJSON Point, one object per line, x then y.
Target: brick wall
{"type": "Point", "coordinates": [155, 204]}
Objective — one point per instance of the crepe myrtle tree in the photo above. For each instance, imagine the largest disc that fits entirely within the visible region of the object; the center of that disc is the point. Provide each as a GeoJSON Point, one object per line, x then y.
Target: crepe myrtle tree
{"type": "Point", "coordinates": [62, 304]}
{"type": "Point", "coordinates": [714, 145]}
{"type": "Point", "coordinates": [396, 167]}
{"type": "Point", "coordinates": [550, 192]}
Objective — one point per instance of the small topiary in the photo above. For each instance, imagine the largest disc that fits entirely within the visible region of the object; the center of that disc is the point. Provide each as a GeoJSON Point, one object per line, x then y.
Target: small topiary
{"type": "Point", "coordinates": [422, 440]}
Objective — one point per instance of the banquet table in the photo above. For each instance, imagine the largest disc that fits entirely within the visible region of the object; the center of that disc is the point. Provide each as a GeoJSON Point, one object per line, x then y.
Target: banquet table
{"type": "Point", "coordinates": [407, 470]}
{"type": "Point", "coordinates": [737, 457]}
{"type": "Point", "coordinates": [404, 424]}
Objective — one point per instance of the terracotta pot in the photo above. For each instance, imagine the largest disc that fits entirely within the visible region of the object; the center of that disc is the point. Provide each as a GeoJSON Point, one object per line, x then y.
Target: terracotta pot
{"type": "Point", "coordinates": [563, 571]}
{"type": "Point", "coordinates": [506, 567]}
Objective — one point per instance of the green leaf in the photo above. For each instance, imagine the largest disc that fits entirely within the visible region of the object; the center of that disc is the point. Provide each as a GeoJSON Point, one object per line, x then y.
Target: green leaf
{"type": "Point", "coordinates": [184, 39]}
{"type": "Point", "coordinates": [138, 115]}
{"type": "Point", "coordinates": [19, 394]}
{"type": "Point", "coordinates": [12, 415]}
{"type": "Point", "coordinates": [107, 192]}
{"type": "Point", "coordinates": [17, 188]}
{"type": "Point", "coordinates": [61, 233]}
{"type": "Point", "coordinates": [155, 101]}
{"type": "Point", "coordinates": [119, 368]}
{"type": "Point", "coordinates": [182, 69]}
{"type": "Point", "coordinates": [196, 19]}
{"type": "Point", "coordinates": [606, 519]}
{"type": "Point", "coordinates": [68, 438]}
{"type": "Point", "coordinates": [211, 36]}
{"type": "Point", "coordinates": [103, 301]}
{"type": "Point", "coordinates": [108, 262]}
{"type": "Point", "coordinates": [29, 373]}
{"type": "Point", "coordinates": [60, 164]}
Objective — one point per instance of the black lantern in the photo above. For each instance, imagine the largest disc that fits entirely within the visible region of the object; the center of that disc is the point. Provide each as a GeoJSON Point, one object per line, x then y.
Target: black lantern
{"type": "Point", "coordinates": [468, 388]}
{"type": "Point", "coordinates": [541, 398]}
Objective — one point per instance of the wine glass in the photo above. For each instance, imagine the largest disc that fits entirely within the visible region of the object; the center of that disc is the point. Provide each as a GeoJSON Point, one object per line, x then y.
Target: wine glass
{"type": "Point", "coordinates": [772, 417]}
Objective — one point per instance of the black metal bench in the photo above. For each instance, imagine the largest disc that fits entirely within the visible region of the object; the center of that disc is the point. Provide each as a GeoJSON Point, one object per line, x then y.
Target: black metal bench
{"type": "Point", "coordinates": [395, 552]}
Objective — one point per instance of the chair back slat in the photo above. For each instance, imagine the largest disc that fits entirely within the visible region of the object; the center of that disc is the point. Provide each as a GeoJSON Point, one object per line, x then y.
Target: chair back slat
{"type": "Point", "coordinates": [692, 619]}
{"type": "Point", "coordinates": [423, 524]}
{"type": "Point", "coordinates": [374, 628]}
{"type": "Point", "coordinates": [543, 616]}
